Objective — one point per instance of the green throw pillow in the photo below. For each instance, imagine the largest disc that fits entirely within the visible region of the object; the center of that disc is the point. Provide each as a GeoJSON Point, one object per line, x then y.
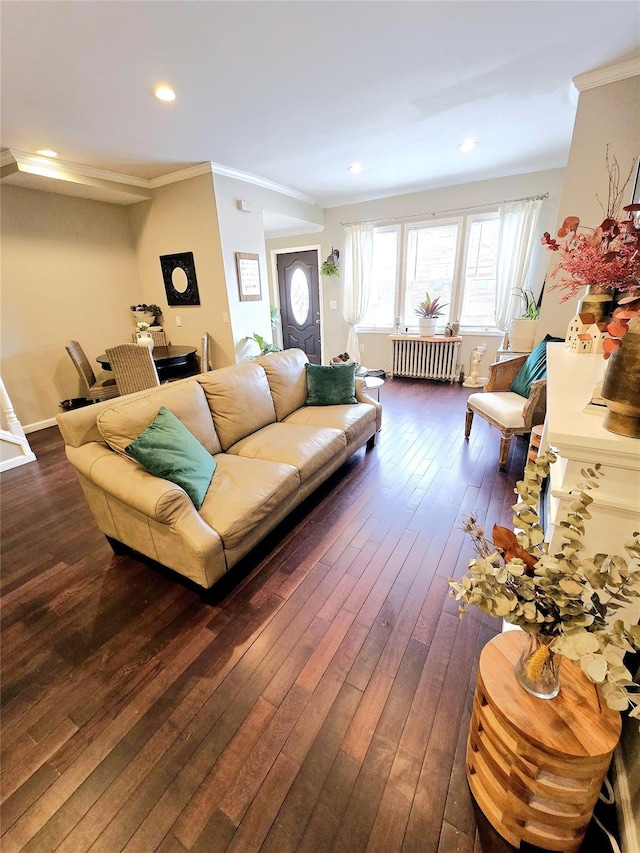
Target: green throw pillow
{"type": "Point", "coordinates": [534, 368]}
{"type": "Point", "coordinates": [167, 449]}
{"type": "Point", "coordinates": [331, 385]}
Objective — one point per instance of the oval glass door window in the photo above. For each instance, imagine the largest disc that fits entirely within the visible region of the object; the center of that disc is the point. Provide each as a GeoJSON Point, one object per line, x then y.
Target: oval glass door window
{"type": "Point", "coordinates": [300, 296]}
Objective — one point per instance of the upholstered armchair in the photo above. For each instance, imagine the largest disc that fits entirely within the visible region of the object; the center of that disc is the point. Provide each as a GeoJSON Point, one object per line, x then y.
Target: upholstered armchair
{"type": "Point", "coordinates": [509, 412]}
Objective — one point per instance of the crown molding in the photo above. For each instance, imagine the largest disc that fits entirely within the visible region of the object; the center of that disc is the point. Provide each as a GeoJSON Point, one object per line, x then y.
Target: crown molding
{"type": "Point", "coordinates": [610, 74]}
{"type": "Point", "coordinates": [180, 175]}
{"type": "Point", "coordinates": [257, 181]}
{"type": "Point", "coordinates": [62, 170]}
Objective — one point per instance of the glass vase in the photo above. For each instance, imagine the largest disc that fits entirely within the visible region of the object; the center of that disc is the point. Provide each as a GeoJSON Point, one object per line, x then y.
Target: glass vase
{"type": "Point", "coordinates": [537, 670]}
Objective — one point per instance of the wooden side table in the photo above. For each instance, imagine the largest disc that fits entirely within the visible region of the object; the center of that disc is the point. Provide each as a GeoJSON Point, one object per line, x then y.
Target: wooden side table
{"type": "Point", "coordinates": [535, 766]}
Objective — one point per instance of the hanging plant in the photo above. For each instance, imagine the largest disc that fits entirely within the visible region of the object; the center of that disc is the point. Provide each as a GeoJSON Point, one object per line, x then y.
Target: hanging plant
{"type": "Point", "coordinates": [330, 266]}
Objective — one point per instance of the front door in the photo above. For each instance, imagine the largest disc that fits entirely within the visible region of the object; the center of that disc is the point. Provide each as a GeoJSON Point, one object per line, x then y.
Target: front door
{"type": "Point", "coordinates": [300, 302]}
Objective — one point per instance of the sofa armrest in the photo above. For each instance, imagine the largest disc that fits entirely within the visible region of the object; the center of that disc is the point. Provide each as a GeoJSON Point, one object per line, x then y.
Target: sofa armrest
{"type": "Point", "coordinates": [363, 397]}
{"type": "Point", "coordinates": [502, 373]}
{"type": "Point", "coordinates": [129, 483]}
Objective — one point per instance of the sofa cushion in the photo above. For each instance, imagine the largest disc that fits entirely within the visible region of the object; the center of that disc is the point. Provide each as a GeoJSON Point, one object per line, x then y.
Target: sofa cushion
{"type": "Point", "coordinates": [331, 385]}
{"type": "Point", "coordinates": [167, 449]}
{"type": "Point", "coordinates": [307, 448]}
{"type": "Point", "coordinates": [534, 368]}
{"type": "Point", "coordinates": [127, 417]}
{"type": "Point", "coordinates": [239, 399]}
{"type": "Point", "coordinates": [243, 493]}
{"type": "Point", "coordinates": [355, 421]}
{"type": "Point", "coordinates": [287, 379]}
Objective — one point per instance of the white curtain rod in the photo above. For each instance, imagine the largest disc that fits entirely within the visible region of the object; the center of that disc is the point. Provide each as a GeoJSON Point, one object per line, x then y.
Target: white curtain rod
{"type": "Point", "coordinates": [449, 210]}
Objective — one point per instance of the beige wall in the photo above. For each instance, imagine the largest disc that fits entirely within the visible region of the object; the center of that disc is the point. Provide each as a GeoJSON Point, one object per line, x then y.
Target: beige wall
{"type": "Point", "coordinates": [242, 231]}
{"type": "Point", "coordinates": [182, 218]}
{"type": "Point", "coordinates": [607, 115]}
{"type": "Point", "coordinates": [377, 348]}
{"type": "Point", "coordinates": [68, 271]}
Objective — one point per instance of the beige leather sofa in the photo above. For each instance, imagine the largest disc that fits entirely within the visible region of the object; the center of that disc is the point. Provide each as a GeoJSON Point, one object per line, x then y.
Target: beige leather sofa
{"type": "Point", "coordinates": [271, 451]}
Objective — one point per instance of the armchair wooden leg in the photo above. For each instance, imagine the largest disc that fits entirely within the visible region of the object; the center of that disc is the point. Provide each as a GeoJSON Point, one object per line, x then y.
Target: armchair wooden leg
{"type": "Point", "coordinates": [468, 420]}
{"type": "Point", "coordinates": [505, 441]}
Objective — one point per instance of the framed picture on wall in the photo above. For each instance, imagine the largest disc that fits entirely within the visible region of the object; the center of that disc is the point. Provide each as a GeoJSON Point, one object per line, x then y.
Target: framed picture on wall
{"type": "Point", "coordinates": [248, 266]}
{"type": "Point", "coordinates": [179, 276]}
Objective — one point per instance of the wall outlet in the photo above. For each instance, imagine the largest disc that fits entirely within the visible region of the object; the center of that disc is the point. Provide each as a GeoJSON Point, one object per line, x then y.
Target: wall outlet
{"type": "Point", "coordinates": [178, 321]}
{"type": "Point", "coordinates": [361, 347]}
{"type": "Point", "coordinates": [333, 304]}
{"type": "Point", "coordinates": [225, 317]}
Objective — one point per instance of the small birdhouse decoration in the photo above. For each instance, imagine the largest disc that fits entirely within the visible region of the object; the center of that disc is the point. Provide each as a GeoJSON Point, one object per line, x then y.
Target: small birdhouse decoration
{"type": "Point", "coordinates": [584, 334]}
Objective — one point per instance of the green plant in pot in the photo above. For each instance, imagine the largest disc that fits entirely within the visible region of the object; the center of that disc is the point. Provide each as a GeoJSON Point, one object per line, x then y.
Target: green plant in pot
{"type": "Point", "coordinates": [428, 311]}
{"type": "Point", "coordinates": [522, 330]}
{"type": "Point", "coordinates": [265, 346]}
{"type": "Point", "coordinates": [147, 313]}
{"type": "Point", "coordinates": [330, 266]}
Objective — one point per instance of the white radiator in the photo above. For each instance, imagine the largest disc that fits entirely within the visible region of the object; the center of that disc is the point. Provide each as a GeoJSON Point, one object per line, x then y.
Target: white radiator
{"type": "Point", "coordinates": [422, 359]}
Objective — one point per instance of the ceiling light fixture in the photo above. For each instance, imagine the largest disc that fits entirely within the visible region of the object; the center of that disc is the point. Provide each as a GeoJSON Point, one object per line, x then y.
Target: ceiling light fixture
{"type": "Point", "coordinates": [164, 93]}
{"type": "Point", "coordinates": [47, 152]}
{"type": "Point", "coordinates": [468, 144]}
{"type": "Point", "coordinates": [355, 168]}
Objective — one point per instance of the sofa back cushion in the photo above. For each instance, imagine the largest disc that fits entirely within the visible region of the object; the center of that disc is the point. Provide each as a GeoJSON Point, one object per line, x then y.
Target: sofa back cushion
{"type": "Point", "coordinates": [287, 380]}
{"type": "Point", "coordinates": [239, 399]}
{"type": "Point", "coordinates": [127, 417]}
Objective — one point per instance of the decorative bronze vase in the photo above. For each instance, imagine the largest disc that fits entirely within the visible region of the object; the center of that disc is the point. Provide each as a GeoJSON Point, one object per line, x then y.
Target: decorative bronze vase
{"type": "Point", "coordinates": [621, 387]}
{"type": "Point", "coordinates": [598, 304]}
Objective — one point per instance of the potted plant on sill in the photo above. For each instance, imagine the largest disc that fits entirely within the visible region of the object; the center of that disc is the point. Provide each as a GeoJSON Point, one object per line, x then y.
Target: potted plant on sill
{"type": "Point", "coordinates": [144, 313]}
{"type": "Point", "coordinates": [428, 311]}
{"type": "Point", "coordinates": [522, 331]}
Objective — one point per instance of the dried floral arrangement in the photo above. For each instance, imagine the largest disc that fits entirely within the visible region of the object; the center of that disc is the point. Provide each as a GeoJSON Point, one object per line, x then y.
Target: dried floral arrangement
{"type": "Point", "coordinates": [566, 597]}
{"type": "Point", "coordinates": [605, 257]}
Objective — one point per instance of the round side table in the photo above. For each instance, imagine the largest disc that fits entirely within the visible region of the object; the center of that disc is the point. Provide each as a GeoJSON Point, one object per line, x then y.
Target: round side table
{"type": "Point", "coordinates": [535, 766]}
{"type": "Point", "coordinates": [374, 383]}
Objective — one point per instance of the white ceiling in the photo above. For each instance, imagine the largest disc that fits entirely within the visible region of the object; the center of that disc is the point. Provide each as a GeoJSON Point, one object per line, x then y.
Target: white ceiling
{"type": "Point", "coordinates": [295, 91]}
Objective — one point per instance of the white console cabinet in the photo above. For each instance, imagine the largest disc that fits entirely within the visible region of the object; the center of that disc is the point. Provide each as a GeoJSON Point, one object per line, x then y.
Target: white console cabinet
{"type": "Point", "coordinates": [573, 428]}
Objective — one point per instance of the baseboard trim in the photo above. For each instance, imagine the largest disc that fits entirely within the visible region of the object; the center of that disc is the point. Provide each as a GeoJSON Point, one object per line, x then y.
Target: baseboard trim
{"type": "Point", "coordinates": [38, 425]}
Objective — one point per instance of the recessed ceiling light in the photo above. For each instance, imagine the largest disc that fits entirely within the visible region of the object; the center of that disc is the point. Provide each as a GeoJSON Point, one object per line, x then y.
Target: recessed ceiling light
{"type": "Point", "coordinates": [468, 144]}
{"type": "Point", "coordinates": [355, 168]}
{"type": "Point", "coordinates": [164, 93]}
{"type": "Point", "coordinates": [47, 152]}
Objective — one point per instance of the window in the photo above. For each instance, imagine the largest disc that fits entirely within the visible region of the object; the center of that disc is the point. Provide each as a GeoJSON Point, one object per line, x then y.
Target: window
{"type": "Point", "coordinates": [454, 259]}
{"type": "Point", "coordinates": [382, 298]}
{"type": "Point", "coordinates": [431, 264]}
{"type": "Point", "coordinates": [479, 284]}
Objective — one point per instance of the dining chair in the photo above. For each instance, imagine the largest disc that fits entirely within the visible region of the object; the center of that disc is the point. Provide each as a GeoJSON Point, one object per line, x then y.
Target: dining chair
{"type": "Point", "coordinates": [134, 367]}
{"type": "Point", "coordinates": [159, 338]}
{"type": "Point", "coordinates": [92, 389]}
{"type": "Point", "coordinates": [207, 353]}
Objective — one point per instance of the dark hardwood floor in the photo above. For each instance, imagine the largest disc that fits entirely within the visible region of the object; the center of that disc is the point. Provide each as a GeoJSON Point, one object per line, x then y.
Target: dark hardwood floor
{"type": "Point", "coordinates": [317, 700]}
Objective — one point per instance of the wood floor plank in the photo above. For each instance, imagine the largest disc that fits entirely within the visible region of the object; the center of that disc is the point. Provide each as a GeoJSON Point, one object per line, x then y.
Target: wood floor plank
{"type": "Point", "coordinates": [317, 699]}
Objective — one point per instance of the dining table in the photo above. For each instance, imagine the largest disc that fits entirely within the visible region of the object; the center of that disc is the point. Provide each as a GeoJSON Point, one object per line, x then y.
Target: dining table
{"type": "Point", "coordinates": [172, 362]}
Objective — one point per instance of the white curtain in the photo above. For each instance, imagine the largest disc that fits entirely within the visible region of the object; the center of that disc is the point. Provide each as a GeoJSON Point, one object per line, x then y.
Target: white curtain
{"type": "Point", "coordinates": [357, 280]}
{"type": "Point", "coordinates": [518, 233]}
